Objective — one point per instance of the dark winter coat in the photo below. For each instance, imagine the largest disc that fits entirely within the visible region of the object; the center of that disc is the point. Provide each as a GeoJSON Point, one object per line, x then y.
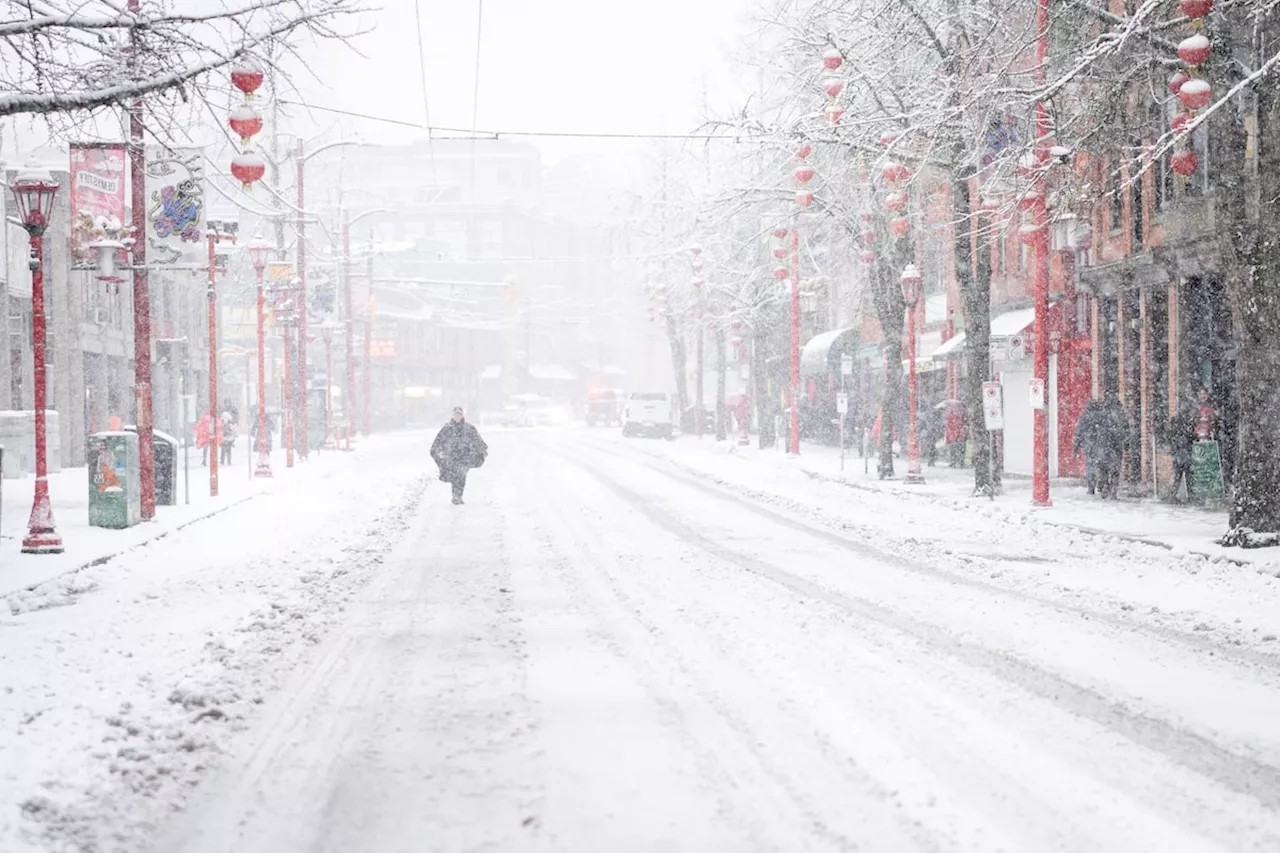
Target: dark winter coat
{"type": "Point", "coordinates": [1182, 434]}
{"type": "Point", "coordinates": [1087, 429]}
{"type": "Point", "coordinates": [458, 446]}
{"type": "Point", "coordinates": [1112, 434]}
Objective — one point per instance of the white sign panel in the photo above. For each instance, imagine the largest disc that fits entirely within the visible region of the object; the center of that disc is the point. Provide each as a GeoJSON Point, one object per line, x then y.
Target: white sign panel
{"type": "Point", "coordinates": [992, 406]}
{"type": "Point", "coordinates": [842, 403]}
{"type": "Point", "coordinates": [1037, 392]}
{"type": "Point", "coordinates": [846, 365]}
{"type": "Point", "coordinates": [175, 207]}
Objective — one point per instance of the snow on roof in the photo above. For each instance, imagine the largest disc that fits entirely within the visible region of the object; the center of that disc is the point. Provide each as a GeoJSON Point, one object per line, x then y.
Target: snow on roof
{"type": "Point", "coordinates": [1012, 322]}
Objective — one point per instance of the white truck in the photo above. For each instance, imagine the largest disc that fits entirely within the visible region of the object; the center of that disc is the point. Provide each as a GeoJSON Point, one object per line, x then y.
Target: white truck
{"type": "Point", "coordinates": [648, 413]}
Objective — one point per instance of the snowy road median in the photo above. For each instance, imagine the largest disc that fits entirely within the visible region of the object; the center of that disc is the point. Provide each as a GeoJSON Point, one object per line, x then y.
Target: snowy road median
{"type": "Point", "coordinates": [614, 647]}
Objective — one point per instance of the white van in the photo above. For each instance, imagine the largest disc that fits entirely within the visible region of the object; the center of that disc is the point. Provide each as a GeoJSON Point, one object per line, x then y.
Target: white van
{"type": "Point", "coordinates": [648, 413]}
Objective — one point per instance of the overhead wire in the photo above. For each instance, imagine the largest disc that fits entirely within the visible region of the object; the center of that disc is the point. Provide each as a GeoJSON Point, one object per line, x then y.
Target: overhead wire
{"type": "Point", "coordinates": [475, 94]}
{"type": "Point", "coordinates": [426, 100]}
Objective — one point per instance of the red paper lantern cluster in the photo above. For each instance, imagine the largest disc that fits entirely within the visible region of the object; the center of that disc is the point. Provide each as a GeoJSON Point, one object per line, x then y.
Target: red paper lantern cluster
{"type": "Point", "coordinates": [246, 167]}
{"type": "Point", "coordinates": [1195, 93]}
{"type": "Point", "coordinates": [803, 174]}
{"type": "Point", "coordinates": [833, 86]}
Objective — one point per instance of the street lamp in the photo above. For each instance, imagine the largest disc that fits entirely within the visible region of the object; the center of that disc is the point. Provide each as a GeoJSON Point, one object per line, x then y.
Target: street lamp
{"type": "Point", "coordinates": [911, 285]}
{"type": "Point", "coordinates": [259, 254]}
{"type": "Point", "coordinates": [34, 189]}
{"type": "Point", "coordinates": [216, 232]}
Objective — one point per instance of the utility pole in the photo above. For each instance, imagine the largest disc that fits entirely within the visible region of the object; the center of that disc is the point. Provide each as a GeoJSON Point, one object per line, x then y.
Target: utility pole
{"type": "Point", "coordinates": [303, 381]}
{"type": "Point", "coordinates": [141, 293]}
{"type": "Point", "coordinates": [368, 347]}
{"type": "Point", "coordinates": [349, 406]}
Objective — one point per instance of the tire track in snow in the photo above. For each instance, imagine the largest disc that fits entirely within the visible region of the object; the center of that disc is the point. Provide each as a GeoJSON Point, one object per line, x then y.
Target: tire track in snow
{"type": "Point", "coordinates": [1238, 773]}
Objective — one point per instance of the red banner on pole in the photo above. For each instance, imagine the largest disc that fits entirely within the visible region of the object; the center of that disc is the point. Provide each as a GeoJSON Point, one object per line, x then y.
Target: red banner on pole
{"type": "Point", "coordinates": [97, 196]}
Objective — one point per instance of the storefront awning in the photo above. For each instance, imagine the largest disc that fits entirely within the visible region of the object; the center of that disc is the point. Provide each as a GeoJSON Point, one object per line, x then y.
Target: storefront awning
{"type": "Point", "coordinates": [1012, 323]}
{"type": "Point", "coordinates": [821, 355]}
{"type": "Point", "coordinates": [951, 348]}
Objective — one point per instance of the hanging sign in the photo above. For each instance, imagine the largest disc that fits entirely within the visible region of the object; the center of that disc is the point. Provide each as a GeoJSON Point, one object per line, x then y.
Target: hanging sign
{"type": "Point", "coordinates": [1036, 386]}
{"type": "Point", "coordinates": [842, 403]}
{"type": "Point", "coordinates": [97, 196]}
{"type": "Point", "coordinates": [175, 207]}
{"type": "Point", "coordinates": [846, 364]}
{"type": "Point", "coordinates": [992, 406]}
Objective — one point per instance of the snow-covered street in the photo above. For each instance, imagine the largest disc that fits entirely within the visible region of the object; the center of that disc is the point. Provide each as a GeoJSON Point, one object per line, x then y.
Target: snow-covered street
{"type": "Point", "coordinates": [628, 645]}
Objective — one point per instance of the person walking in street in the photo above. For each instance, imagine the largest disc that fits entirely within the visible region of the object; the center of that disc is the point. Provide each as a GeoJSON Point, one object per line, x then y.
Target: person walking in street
{"type": "Point", "coordinates": [1086, 440]}
{"type": "Point", "coordinates": [1182, 434]}
{"type": "Point", "coordinates": [207, 436]}
{"type": "Point", "coordinates": [226, 436]}
{"type": "Point", "coordinates": [457, 449]}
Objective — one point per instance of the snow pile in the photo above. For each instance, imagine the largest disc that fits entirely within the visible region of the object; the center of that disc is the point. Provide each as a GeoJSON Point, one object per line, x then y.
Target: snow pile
{"type": "Point", "coordinates": [121, 684]}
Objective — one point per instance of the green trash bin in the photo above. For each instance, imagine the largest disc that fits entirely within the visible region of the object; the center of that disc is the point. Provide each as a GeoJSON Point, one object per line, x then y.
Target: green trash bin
{"type": "Point", "coordinates": [115, 498]}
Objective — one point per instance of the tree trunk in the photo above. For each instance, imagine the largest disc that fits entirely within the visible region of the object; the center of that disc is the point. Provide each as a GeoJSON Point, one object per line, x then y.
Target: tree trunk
{"type": "Point", "coordinates": [679, 364]}
{"type": "Point", "coordinates": [891, 310]}
{"type": "Point", "coordinates": [975, 291]}
{"type": "Point", "coordinates": [721, 368]}
{"type": "Point", "coordinates": [1255, 501]}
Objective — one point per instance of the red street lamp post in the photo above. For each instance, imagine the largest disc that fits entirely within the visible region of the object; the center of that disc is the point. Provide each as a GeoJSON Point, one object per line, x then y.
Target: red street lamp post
{"type": "Point", "coordinates": [286, 316]}
{"type": "Point", "coordinates": [259, 252]}
{"type": "Point", "coordinates": [1040, 279]}
{"type": "Point", "coordinates": [34, 190]}
{"type": "Point", "coordinates": [911, 284]}
{"type": "Point", "coordinates": [326, 331]}
{"type": "Point", "coordinates": [368, 350]}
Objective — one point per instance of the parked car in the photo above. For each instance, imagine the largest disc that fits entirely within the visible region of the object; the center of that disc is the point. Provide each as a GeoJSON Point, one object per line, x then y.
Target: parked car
{"type": "Point", "coordinates": [604, 406]}
{"type": "Point", "coordinates": [648, 413]}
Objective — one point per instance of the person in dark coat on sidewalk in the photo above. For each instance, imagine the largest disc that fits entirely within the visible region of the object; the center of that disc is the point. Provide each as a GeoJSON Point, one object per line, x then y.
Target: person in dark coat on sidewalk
{"type": "Point", "coordinates": [1086, 440]}
{"type": "Point", "coordinates": [457, 449]}
{"type": "Point", "coordinates": [1182, 434]}
{"type": "Point", "coordinates": [1112, 437]}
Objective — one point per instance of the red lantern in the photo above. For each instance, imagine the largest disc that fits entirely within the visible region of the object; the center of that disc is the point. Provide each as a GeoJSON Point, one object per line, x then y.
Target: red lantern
{"type": "Point", "coordinates": [697, 282]}
{"type": "Point", "coordinates": [804, 198]}
{"type": "Point", "coordinates": [834, 114]}
{"type": "Point", "coordinates": [900, 225]}
{"type": "Point", "coordinates": [247, 168]}
{"type": "Point", "coordinates": [896, 201]}
{"type": "Point", "coordinates": [888, 138]}
{"type": "Point", "coordinates": [780, 252]}
{"type": "Point", "coordinates": [1195, 93]}
{"type": "Point", "coordinates": [697, 264]}
{"type": "Point", "coordinates": [1179, 123]}
{"type": "Point", "coordinates": [833, 86]}
{"type": "Point", "coordinates": [803, 174]}
{"type": "Point", "coordinates": [1029, 201]}
{"type": "Point", "coordinates": [867, 237]}
{"type": "Point", "coordinates": [893, 171]}
{"type": "Point", "coordinates": [780, 232]}
{"type": "Point", "coordinates": [868, 257]}
{"type": "Point", "coordinates": [245, 123]}
{"type": "Point", "coordinates": [1027, 234]}
{"type": "Point", "coordinates": [781, 272]}
{"type": "Point", "coordinates": [1184, 162]}
{"type": "Point", "coordinates": [695, 249]}
{"type": "Point", "coordinates": [1195, 8]}
{"type": "Point", "coordinates": [831, 59]}
{"type": "Point", "coordinates": [1176, 81]}
{"type": "Point", "coordinates": [737, 324]}
{"type": "Point", "coordinates": [246, 75]}
{"type": "Point", "coordinates": [1194, 50]}
{"type": "Point", "coordinates": [804, 151]}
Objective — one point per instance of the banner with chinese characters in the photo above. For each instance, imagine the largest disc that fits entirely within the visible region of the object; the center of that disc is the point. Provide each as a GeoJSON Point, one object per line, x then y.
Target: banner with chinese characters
{"type": "Point", "coordinates": [97, 197]}
{"type": "Point", "coordinates": [175, 207]}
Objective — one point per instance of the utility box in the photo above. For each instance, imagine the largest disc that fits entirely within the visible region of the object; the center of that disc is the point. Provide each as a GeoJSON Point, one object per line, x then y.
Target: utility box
{"type": "Point", "coordinates": [115, 498]}
{"type": "Point", "coordinates": [164, 448]}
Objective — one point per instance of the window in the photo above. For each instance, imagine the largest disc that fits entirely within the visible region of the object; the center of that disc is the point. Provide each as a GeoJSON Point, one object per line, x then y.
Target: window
{"type": "Point", "coordinates": [1138, 219]}
{"type": "Point", "coordinates": [1118, 192]}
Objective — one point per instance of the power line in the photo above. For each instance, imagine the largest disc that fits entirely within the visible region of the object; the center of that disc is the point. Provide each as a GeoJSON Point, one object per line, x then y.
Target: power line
{"type": "Point", "coordinates": [475, 94]}
{"type": "Point", "coordinates": [464, 133]}
{"type": "Point", "coordinates": [426, 101]}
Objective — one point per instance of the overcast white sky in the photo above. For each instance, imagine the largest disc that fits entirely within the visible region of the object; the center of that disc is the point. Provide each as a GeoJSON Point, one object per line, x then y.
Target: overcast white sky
{"type": "Point", "coordinates": [545, 65]}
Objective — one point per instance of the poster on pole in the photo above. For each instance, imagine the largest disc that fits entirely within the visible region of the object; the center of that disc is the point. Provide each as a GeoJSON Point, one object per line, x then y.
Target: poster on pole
{"type": "Point", "coordinates": [842, 403]}
{"type": "Point", "coordinates": [846, 364]}
{"type": "Point", "coordinates": [97, 197]}
{"type": "Point", "coordinates": [175, 207]}
{"type": "Point", "coordinates": [1036, 388]}
{"type": "Point", "coordinates": [1206, 470]}
{"type": "Point", "coordinates": [992, 406]}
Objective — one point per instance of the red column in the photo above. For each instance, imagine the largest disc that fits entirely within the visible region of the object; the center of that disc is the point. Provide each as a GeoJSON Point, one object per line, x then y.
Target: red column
{"type": "Point", "coordinates": [1040, 281]}
{"type": "Point", "coordinates": [368, 356]}
{"type": "Point", "coordinates": [263, 468]}
{"type": "Point", "coordinates": [913, 447]}
{"type": "Point", "coordinates": [302, 316]}
{"type": "Point", "coordinates": [215, 446]}
{"type": "Point", "coordinates": [794, 444]}
{"type": "Point", "coordinates": [41, 536]}
{"type": "Point", "coordinates": [287, 410]}
{"type": "Point", "coordinates": [141, 305]}
{"type": "Point", "coordinates": [349, 405]}
{"type": "Point", "coordinates": [328, 385]}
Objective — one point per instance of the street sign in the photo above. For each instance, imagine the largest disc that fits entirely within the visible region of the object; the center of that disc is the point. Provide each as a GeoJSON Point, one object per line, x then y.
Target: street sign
{"type": "Point", "coordinates": [846, 364]}
{"type": "Point", "coordinates": [842, 403]}
{"type": "Point", "coordinates": [992, 406]}
{"type": "Point", "coordinates": [1036, 384]}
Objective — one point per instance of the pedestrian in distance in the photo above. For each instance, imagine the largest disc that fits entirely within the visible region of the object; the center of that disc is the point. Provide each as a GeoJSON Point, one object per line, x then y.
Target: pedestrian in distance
{"type": "Point", "coordinates": [1085, 441]}
{"type": "Point", "coordinates": [1112, 436]}
{"type": "Point", "coordinates": [227, 437]}
{"type": "Point", "coordinates": [457, 449]}
{"type": "Point", "coordinates": [1182, 434]}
